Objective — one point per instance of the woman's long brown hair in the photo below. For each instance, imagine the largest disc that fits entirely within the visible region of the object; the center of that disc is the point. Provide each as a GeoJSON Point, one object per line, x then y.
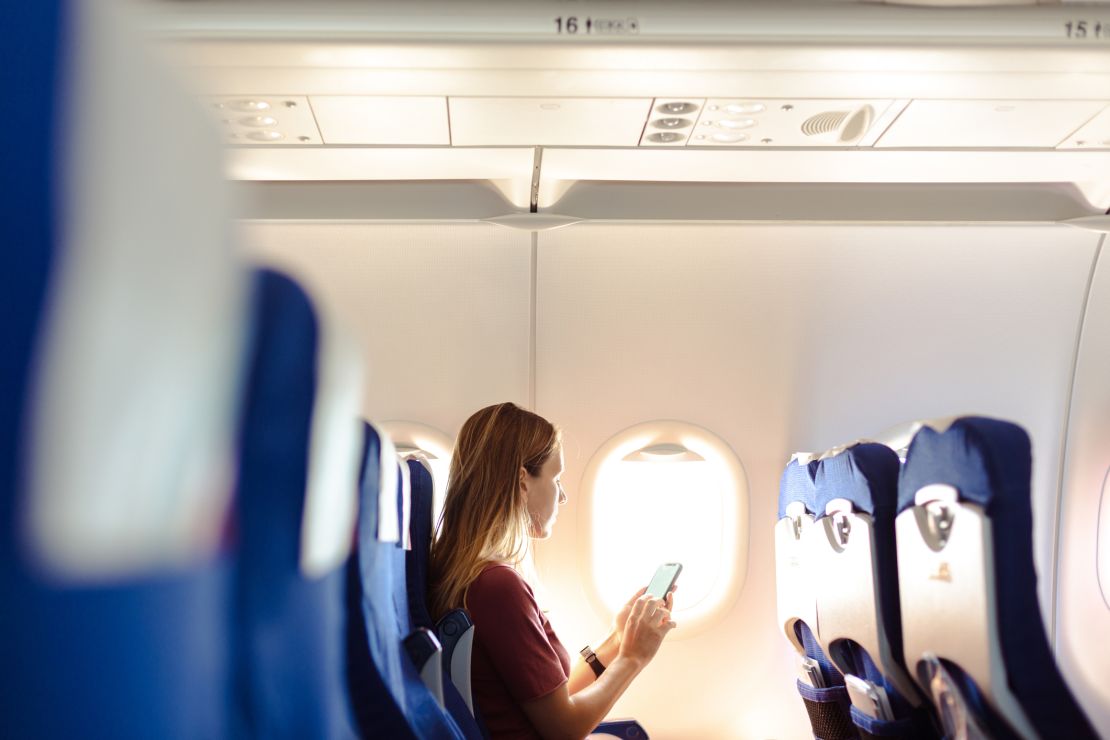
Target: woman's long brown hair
{"type": "Point", "coordinates": [485, 518]}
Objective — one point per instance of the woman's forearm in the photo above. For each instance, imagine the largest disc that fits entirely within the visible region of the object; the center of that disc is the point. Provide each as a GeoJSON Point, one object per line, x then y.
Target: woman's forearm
{"type": "Point", "coordinates": [559, 716]}
{"type": "Point", "coordinates": [582, 675]}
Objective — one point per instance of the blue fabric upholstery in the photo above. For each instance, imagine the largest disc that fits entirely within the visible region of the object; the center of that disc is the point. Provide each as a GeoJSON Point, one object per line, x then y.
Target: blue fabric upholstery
{"type": "Point", "coordinates": [142, 657]}
{"type": "Point", "coordinates": [383, 600]}
{"type": "Point", "coordinates": [416, 573]}
{"type": "Point", "coordinates": [865, 474]}
{"type": "Point", "coordinates": [416, 559]}
{"type": "Point", "coordinates": [797, 484]}
{"type": "Point", "coordinates": [989, 462]}
{"type": "Point", "coordinates": [289, 629]}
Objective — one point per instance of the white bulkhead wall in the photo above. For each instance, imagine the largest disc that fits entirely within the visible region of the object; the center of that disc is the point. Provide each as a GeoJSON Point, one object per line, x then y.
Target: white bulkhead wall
{"type": "Point", "coordinates": [774, 337]}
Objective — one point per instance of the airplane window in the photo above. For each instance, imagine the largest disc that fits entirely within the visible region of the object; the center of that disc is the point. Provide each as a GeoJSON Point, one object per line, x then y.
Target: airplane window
{"type": "Point", "coordinates": [666, 492]}
{"type": "Point", "coordinates": [410, 436]}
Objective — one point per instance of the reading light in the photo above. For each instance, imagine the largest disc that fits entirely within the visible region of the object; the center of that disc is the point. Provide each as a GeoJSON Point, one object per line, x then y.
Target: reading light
{"type": "Point", "coordinates": [249, 106]}
{"type": "Point", "coordinates": [671, 123]}
{"type": "Point", "coordinates": [729, 138]}
{"type": "Point", "coordinates": [742, 108]}
{"type": "Point", "coordinates": [677, 108]}
{"type": "Point", "coordinates": [664, 137]}
{"type": "Point", "coordinates": [735, 123]}
{"type": "Point", "coordinates": [258, 121]}
{"type": "Point", "coordinates": [265, 136]}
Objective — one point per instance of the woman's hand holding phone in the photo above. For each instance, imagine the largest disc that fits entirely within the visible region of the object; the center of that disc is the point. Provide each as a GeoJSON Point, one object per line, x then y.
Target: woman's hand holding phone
{"type": "Point", "coordinates": [648, 622]}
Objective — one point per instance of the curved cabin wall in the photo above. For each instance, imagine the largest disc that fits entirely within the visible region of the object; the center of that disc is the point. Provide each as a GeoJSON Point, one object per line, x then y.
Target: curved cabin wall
{"type": "Point", "coordinates": [1083, 564]}
{"type": "Point", "coordinates": [774, 337]}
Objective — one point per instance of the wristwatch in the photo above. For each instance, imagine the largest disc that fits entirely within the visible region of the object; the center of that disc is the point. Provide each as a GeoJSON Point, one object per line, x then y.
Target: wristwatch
{"type": "Point", "coordinates": [592, 660]}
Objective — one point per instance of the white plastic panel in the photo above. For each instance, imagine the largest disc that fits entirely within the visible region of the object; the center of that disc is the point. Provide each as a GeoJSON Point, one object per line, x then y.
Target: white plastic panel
{"type": "Point", "coordinates": [548, 121]}
{"type": "Point", "coordinates": [264, 120]}
{"type": "Point", "coordinates": [1103, 557]}
{"type": "Point", "coordinates": [131, 435]}
{"type": "Point", "coordinates": [442, 311]}
{"type": "Point", "coordinates": [562, 167]}
{"type": "Point", "coordinates": [381, 120]}
{"type": "Point", "coordinates": [988, 123]}
{"type": "Point", "coordinates": [1083, 609]}
{"type": "Point", "coordinates": [786, 337]}
{"type": "Point", "coordinates": [1095, 134]}
{"type": "Point", "coordinates": [787, 122]}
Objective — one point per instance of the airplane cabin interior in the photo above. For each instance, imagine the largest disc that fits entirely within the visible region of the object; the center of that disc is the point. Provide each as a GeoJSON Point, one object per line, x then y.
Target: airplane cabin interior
{"type": "Point", "coordinates": [812, 289]}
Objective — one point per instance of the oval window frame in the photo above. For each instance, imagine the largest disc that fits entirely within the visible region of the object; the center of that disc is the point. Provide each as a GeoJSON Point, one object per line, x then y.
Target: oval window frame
{"type": "Point", "coordinates": [707, 444]}
{"type": "Point", "coordinates": [425, 438]}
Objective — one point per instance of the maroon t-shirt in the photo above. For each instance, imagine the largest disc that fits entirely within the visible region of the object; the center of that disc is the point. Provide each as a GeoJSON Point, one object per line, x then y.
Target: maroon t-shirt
{"type": "Point", "coordinates": [517, 657]}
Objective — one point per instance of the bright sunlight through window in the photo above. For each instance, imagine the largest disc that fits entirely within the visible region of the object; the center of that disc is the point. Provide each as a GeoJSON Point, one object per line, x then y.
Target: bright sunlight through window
{"type": "Point", "coordinates": [668, 492]}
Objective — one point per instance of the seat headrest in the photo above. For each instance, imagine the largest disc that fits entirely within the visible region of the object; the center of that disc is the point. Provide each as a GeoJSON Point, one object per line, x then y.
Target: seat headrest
{"type": "Point", "coordinates": [381, 489]}
{"type": "Point", "coordinates": [798, 485]}
{"type": "Point", "coordinates": [865, 474]}
{"type": "Point", "coordinates": [988, 461]}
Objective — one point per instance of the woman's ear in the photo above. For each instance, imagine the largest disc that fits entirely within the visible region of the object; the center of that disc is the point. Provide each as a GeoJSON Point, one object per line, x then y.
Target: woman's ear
{"type": "Point", "coordinates": [523, 480]}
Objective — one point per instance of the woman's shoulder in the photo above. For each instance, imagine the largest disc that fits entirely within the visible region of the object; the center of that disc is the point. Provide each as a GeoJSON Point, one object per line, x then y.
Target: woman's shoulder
{"type": "Point", "coordinates": [499, 581]}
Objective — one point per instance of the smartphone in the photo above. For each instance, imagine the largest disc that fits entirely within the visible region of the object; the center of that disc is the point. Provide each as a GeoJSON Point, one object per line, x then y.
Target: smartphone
{"type": "Point", "coordinates": [809, 670]}
{"type": "Point", "coordinates": [663, 579]}
{"type": "Point", "coordinates": [868, 698]}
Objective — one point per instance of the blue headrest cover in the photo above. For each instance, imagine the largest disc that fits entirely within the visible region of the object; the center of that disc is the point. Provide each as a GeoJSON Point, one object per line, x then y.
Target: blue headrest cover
{"type": "Point", "coordinates": [420, 525]}
{"type": "Point", "coordinates": [798, 485]}
{"type": "Point", "coordinates": [865, 474]}
{"type": "Point", "coordinates": [290, 628]}
{"type": "Point", "coordinates": [987, 460]}
{"type": "Point", "coordinates": [990, 462]}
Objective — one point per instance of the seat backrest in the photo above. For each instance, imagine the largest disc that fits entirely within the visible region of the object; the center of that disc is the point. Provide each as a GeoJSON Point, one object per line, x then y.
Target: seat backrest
{"type": "Point", "coordinates": [853, 557]}
{"type": "Point", "coordinates": [455, 630]}
{"type": "Point", "coordinates": [383, 602]}
{"type": "Point", "coordinates": [289, 616]}
{"type": "Point", "coordinates": [972, 629]}
{"type": "Point", "coordinates": [123, 319]}
{"type": "Point", "coordinates": [823, 693]}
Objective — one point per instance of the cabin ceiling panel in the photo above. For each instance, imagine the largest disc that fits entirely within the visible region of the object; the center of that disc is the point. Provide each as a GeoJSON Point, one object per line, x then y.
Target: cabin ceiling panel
{"type": "Point", "coordinates": [548, 121]}
{"type": "Point", "coordinates": [785, 338]}
{"type": "Point", "coordinates": [442, 311]}
{"type": "Point", "coordinates": [988, 123]}
{"type": "Point", "coordinates": [382, 120]}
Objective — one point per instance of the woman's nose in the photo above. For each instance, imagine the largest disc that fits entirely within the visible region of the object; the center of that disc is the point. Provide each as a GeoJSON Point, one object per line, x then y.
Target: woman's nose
{"type": "Point", "coordinates": [562, 495]}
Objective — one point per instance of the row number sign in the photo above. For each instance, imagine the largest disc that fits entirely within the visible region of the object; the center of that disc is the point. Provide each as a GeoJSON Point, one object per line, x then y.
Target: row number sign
{"type": "Point", "coordinates": [575, 25]}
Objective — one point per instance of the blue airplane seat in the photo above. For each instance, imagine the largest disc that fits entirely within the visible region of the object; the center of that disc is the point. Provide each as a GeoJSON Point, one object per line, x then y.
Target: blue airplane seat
{"type": "Point", "coordinates": [288, 621]}
{"type": "Point", "coordinates": [820, 683]}
{"type": "Point", "coordinates": [855, 561]}
{"type": "Point", "coordinates": [114, 628]}
{"type": "Point", "coordinates": [972, 628]}
{"type": "Point", "coordinates": [455, 631]}
{"type": "Point", "coordinates": [399, 703]}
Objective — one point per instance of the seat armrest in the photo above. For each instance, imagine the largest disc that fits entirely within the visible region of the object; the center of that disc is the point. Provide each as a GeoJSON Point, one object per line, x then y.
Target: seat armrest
{"type": "Point", "coordinates": [456, 634]}
{"type": "Point", "coordinates": [628, 729]}
{"type": "Point", "coordinates": [424, 650]}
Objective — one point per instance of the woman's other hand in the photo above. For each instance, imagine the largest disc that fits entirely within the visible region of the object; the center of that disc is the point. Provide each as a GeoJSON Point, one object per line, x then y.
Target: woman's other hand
{"type": "Point", "coordinates": [648, 622]}
{"type": "Point", "coordinates": [622, 616]}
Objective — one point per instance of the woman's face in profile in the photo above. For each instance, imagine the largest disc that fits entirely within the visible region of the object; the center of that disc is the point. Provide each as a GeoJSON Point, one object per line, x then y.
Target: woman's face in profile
{"type": "Point", "coordinates": [543, 494]}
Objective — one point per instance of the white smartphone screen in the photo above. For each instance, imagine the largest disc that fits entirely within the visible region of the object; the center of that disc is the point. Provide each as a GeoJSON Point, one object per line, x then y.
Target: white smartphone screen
{"type": "Point", "coordinates": [663, 578]}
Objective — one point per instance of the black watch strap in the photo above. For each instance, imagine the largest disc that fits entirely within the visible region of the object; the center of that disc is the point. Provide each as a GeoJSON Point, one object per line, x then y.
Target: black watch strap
{"type": "Point", "coordinates": [592, 660]}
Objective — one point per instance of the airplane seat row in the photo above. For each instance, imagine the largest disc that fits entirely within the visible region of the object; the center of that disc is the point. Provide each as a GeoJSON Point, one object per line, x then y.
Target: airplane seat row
{"type": "Point", "coordinates": [917, 581]}
{"type": "Point", "coordinates": [823, 692]}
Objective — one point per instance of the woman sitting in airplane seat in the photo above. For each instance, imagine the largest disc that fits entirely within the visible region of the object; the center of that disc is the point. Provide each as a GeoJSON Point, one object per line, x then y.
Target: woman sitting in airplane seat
{"type": "Point", "coordinates": [502, 491]}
